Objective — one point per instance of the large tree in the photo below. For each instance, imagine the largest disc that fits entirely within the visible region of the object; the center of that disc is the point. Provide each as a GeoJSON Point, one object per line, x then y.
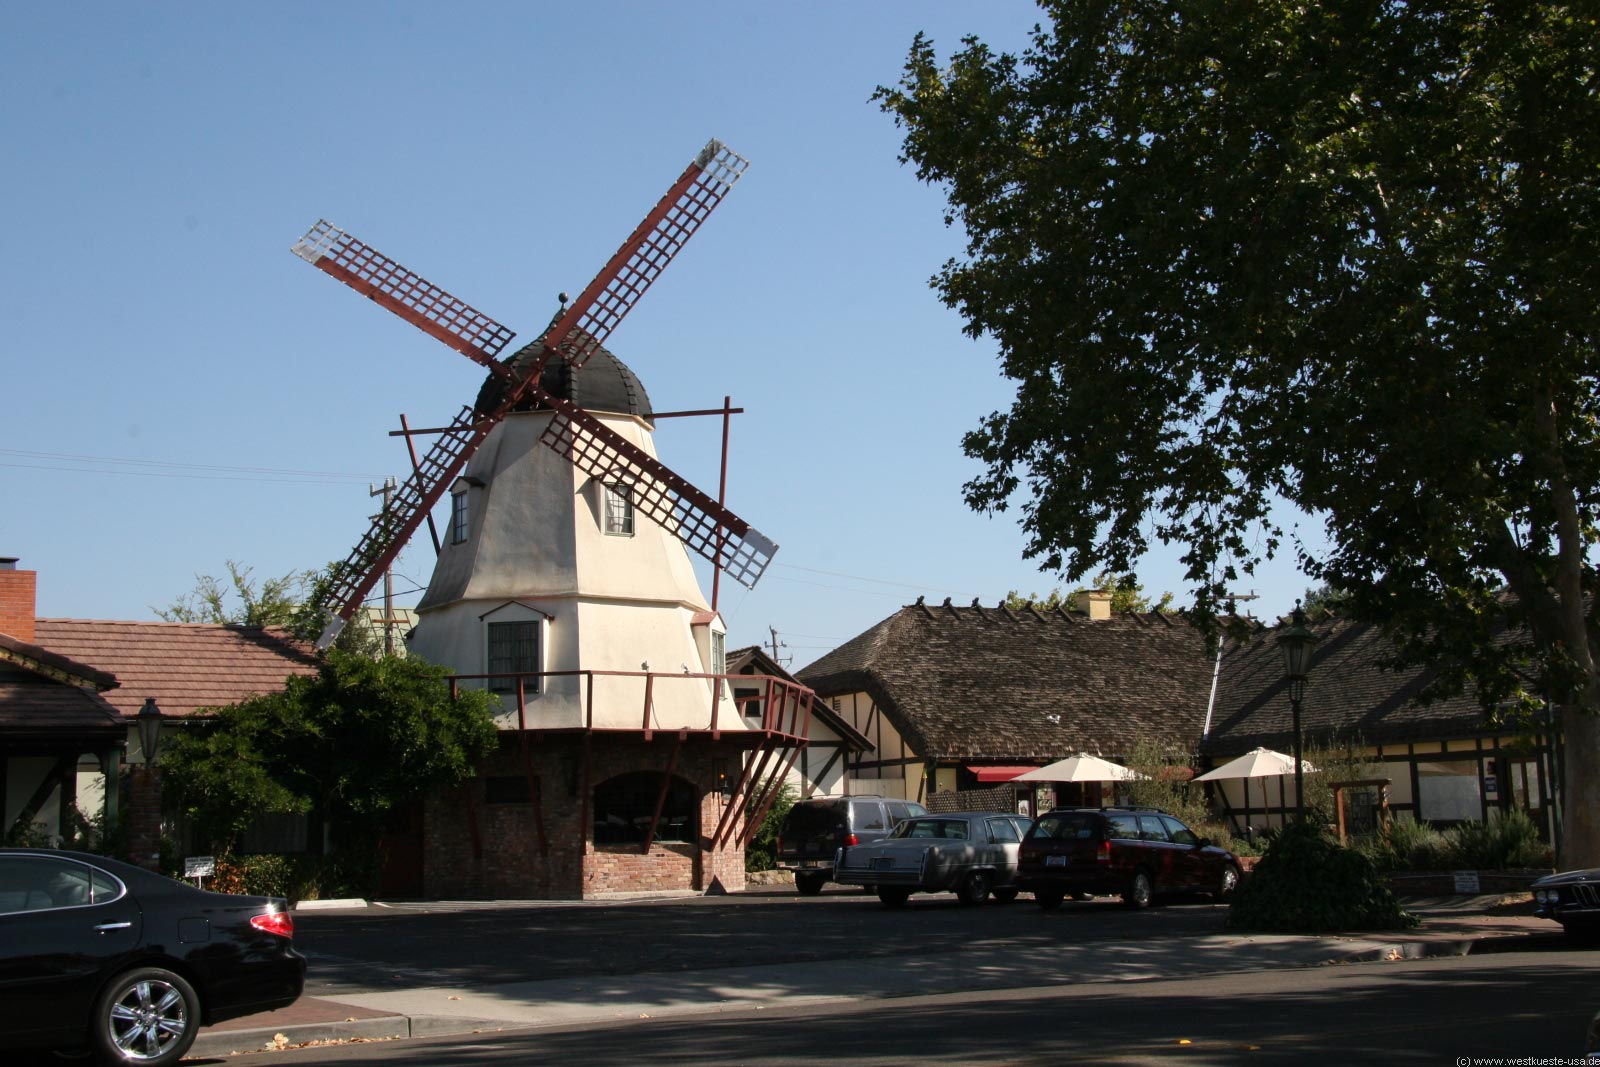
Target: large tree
{"type": "Point", "coordinates": [1345, 255]}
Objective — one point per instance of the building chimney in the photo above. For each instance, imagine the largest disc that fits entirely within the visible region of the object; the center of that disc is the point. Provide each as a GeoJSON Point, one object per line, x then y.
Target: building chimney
{"type": "Point", "coordinates": [18, 595]}
{"type": "Point", "coordinates": [1097, 602]}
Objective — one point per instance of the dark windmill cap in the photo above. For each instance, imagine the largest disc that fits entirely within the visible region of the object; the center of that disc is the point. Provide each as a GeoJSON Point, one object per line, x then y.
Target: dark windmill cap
{"type": "Point", "coordinates": [604, 384]}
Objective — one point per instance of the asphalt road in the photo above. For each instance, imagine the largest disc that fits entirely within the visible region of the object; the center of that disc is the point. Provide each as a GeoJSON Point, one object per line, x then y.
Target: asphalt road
{"type": "Point", "coordinates": [378, 950]}
{"type": "Point", "coordinates": [1439, 1011]}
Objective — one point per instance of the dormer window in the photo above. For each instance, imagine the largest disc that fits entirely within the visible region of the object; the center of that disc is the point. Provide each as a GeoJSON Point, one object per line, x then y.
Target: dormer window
{"type": "Point", "coordinates": [719, 652]}
{"type": "Point", "coordinates": [460, 509]}
{"type": "Point", "coordinates": [619, 509]}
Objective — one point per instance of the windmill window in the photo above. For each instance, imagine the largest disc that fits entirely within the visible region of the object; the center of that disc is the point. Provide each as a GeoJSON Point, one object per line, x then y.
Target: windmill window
{"type": "Point", "coordinates": [619, 509]}
{"type": "Point", "coordinates": [513, 649]}
{"type": "Point", "coordinates": [719, 653]}
{"type": "Point", "coordinates": [458, 517]}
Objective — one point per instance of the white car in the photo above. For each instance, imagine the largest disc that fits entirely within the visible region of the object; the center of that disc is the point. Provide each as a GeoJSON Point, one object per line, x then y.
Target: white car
{"type": "Point", "coordinates": [970, 853]}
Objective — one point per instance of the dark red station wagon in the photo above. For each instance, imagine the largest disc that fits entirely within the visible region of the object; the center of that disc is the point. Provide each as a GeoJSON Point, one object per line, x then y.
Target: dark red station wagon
{"type": "Point", "coordinates": [1134, 853]}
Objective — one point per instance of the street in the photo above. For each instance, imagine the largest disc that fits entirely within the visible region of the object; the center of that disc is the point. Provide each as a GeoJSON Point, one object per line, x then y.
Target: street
{"type": "Point", "coordinates": [769, 978]}
{"type": "Point", "coordinates": [1428, 1012]}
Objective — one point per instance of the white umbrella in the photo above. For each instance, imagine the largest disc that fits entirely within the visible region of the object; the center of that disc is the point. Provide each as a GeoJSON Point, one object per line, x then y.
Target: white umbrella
{"type": "Point", "coordinates": [1261, 763]}
{"type": "Point", "coordinates": [1080, 768]}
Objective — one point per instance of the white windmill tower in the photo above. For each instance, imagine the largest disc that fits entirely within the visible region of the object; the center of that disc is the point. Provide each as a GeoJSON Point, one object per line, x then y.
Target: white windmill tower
{"type": "Point", "coordinates": [563, 580]}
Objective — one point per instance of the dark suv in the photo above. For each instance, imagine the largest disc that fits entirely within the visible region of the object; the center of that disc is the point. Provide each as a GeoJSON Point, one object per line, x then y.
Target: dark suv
{"type": "Point", "coordinates": [815, 830]}
{"type": "Point", "coordinates": [1132, 852]}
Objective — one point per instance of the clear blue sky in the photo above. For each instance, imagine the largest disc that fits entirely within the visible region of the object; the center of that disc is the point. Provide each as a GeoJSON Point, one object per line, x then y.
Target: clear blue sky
{"type": "Point", "coordinates": [179, 390]}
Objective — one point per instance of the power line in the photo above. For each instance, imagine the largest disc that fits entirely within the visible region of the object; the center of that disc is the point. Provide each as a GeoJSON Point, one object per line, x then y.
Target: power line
{"type": "Point", "coordinates": [155, 468]}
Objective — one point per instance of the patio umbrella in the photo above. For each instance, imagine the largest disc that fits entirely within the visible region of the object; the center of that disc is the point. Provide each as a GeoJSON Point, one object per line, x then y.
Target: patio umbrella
{"type": "Point", "coordinates": [1261, 763]}
{"type": "Point", "coordinates": [1080, 768]}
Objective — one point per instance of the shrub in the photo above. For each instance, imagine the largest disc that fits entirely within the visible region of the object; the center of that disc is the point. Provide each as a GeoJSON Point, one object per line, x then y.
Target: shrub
{"type": "Point", "coordinates": [1509, 840]}
{"type": "Point", "coordinates": [1308, 883]}
{"type": "Point", "coordinates": [762, 852]}
{"type": "Point", "coordinates": [1407, 844]}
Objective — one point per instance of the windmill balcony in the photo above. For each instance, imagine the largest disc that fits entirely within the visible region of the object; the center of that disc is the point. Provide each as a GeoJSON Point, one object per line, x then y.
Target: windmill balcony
{"type": "Point", "coordinates": [646, 703]}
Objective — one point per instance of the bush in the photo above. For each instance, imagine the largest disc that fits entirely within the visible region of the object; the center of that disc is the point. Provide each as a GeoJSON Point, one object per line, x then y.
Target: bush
{"type": "Point", "coordinates": [1407, 844]}
{"type": "Point", "coordinates": [1308, 883]}
{"type": "Point", "coordinates": [1509, 840]}
{"type": "Point", "coordinates": [762, 852]}
{"type": "Point", "coordinates": [297, 877]}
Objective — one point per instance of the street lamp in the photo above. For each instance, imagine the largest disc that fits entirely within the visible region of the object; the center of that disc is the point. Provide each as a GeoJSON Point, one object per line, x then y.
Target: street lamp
{"type": "Point", "coordinates": [1296, 641]}
{"type": "Point", "coordinates": [149, 720]}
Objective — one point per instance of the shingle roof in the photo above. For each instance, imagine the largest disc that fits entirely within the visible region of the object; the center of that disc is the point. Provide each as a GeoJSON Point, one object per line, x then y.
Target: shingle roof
{"type": "Point", "coordinates": [35, 710]}
{"type": "Point", "coordinates": [25, 652]}
{"type": "Point", "coordinates": [1348, 696]}
{"type": "Point", "coordinates": [185, 666]}
{"type": "Point", "coordinates": [975, 682]}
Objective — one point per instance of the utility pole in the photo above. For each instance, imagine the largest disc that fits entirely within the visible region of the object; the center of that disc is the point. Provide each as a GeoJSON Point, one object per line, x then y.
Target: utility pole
{"type": "Point", "coordinates": [387, 492]}
{"type": "Point", "coordinates": [776, 644]}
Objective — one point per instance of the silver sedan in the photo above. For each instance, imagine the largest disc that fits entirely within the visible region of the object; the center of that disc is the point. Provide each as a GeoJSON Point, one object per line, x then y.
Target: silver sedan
{"type": "Point", "coordinates": [972, 853]}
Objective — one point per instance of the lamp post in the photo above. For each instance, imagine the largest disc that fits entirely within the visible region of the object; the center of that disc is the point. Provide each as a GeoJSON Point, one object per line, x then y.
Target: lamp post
{"type": "Point", "coordinates": [149, 730]}
{"type": "Point", "coordinates": [1296, 640]}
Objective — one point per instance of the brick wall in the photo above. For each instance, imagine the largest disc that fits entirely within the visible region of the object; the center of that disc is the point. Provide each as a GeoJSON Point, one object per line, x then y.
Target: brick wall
{"type": "Point", "coordinates": [509, 862]}
{"type": "Point", "coordinates": [18, 600]}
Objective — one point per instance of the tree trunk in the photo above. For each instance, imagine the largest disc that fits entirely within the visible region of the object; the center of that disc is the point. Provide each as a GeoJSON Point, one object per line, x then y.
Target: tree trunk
{"type": "Point", "coordinates": [1580, 786]}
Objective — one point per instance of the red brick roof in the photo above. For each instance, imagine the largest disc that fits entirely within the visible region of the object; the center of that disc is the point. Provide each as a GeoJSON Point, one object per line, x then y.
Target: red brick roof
{"type": "Point", "coordinates": [187, 667]}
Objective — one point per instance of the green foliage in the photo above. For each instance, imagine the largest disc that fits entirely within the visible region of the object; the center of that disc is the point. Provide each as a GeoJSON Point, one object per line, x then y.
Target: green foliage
{"type": "Point", "coordinates": [350, 743]}
{"type": "Point", "coordinates": [1325, 597]}
{"type": "Point", "coordinates": [272, 602]}
{"type": "Point", "coordinates": [762, 852]}
{"type": "Point", "coordinates": [1306, 883]}
{"type": "Point", "coordinates": [1340, 255]}
{"type": "Point", "coordinates": [1165, 784]}
{"type": "Point", "coordinates": [350, 873]}
{"type": "Point", "coordinates": [1509, 840]}
{"type": "Point", "coordinates": [1127, 595]}
{"type": "Point", "coordinates": [1408, 845]}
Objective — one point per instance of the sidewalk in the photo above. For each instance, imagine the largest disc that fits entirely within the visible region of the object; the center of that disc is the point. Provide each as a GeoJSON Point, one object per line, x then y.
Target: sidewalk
{"type": "Point", "coordinates": [1451, 926]}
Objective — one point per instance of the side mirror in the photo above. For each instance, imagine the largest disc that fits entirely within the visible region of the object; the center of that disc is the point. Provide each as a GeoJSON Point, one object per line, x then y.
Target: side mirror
{"type": "Point", "coordinates": [1203, 842]}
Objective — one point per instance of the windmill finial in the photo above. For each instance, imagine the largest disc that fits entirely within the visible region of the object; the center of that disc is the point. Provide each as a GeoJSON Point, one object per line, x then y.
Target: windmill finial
{"type": "Point", "coordinates": [561, 300]}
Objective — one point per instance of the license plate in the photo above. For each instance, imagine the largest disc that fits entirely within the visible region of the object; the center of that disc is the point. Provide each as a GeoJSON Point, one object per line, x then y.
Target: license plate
{"type": "Point", "coordinates": [882, 863]}
{"type": "Point", "coordinates": [1055, 861]}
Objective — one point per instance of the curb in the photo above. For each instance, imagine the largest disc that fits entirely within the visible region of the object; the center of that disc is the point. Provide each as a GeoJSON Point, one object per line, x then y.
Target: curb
{"type": "Point", "coordinates": [384, 1028]}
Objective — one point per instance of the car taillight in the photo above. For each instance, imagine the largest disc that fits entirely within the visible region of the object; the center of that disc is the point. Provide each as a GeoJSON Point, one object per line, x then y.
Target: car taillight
{"type": "Point", "coordinates": [280, 923]}
{"type": "Point", "coordinates": [1104, 855]}
{"type": "Point", "coordinates": [852, 841]}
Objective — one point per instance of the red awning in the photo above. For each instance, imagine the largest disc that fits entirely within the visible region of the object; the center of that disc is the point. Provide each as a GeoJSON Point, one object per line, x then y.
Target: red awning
{"type": "Point", "coordinates": [1000, 774]}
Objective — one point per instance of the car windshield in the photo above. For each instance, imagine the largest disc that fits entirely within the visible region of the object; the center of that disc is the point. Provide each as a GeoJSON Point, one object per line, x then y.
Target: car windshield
{"type": "Point", "coordinates": [948, 829]}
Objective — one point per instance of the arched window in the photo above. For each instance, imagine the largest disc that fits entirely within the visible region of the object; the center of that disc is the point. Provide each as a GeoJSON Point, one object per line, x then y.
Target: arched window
{"type": "Point", "coordinates": [623, 806]}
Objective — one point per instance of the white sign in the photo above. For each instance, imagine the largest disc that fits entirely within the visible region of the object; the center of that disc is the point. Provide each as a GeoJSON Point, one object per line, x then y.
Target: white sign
{"type": "Point", "coordinates": [1467, 882]}
{"type": "Point", "coordinates": [199, 866]}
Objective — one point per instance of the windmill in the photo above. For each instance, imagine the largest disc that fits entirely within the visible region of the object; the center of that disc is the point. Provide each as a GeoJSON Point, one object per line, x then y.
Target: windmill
{"type": "Point", "coordinates": [694, 517]}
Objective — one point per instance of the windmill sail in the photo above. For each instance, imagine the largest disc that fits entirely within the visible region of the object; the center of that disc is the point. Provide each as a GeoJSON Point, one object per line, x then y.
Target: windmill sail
{"type": "Point", "coordinates": [702, 523]}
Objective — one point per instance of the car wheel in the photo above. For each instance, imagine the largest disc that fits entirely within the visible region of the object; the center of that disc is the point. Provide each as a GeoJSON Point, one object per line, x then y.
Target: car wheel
{"type": "Point", "coordinates": [1005, 896]}
{"type": "Point", "coordinates": [1228, 883]}
{"type": "Point", "coordinates": [147, 1016]}
{"type": "Point", "coordinates": [1048, 899]}
{"type": "Point", "coordinates": [893, 898]}
{"type": "Point", "coordinates": [975, 890]}
{"type": "Point", "coordinates": [1140, 893]}
{"type": "Point", "coordinates": [810, 885]}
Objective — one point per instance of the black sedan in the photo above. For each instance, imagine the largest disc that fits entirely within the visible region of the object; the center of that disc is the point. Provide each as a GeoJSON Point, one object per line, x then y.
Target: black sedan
{"type": "Point", "coordinates": [128, 964]}
{"type": "Point", "coordinates": [1571, 898]}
